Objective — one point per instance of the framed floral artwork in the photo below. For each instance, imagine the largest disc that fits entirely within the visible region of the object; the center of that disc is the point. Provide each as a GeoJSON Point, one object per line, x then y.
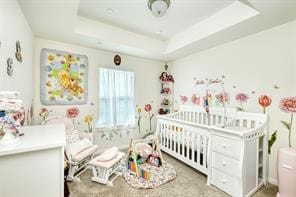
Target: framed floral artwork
{"type": "Point", "coordinates": [64, 78]}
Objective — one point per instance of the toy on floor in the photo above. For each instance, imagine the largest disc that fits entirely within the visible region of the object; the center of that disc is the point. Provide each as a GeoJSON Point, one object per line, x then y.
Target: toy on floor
{"type": "Point", "coordinates": [143, 151]}
{"type": "Point", "coordinates": [105, 165]}
{"type": "Point", "coordinates": [131, 166]}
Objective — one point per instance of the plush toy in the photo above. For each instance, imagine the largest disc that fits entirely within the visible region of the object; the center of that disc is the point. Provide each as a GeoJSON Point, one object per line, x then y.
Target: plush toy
{"type": "Point", "coordinates": [155, 160]}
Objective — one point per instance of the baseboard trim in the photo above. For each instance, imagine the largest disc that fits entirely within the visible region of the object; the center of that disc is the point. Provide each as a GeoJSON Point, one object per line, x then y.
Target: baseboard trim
{"type": "Point", "coordinates": [272, 181]}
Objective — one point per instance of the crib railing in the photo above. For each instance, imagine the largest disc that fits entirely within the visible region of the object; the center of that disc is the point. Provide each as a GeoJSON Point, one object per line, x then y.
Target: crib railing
{"type": "Point", "coordinates": [184, 141]}
{"type": "Point", "coordinates": [186, 134]}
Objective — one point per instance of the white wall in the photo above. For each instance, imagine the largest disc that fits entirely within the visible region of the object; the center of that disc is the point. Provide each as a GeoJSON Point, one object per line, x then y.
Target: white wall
{"type": "Point", "coordinates": [254, 63]}
{"type": "Point", "coordinates": [13, 27]}
{"type": "Point", "coordinates": [146, 84]}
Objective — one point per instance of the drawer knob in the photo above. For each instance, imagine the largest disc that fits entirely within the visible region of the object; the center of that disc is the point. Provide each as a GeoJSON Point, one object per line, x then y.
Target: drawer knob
{"type": "Point", "coordinates": [224, 145]}
{"type": "Point", "coordinates": [224, 163]}
{"type": "Point", "coordinates": [224, 181]}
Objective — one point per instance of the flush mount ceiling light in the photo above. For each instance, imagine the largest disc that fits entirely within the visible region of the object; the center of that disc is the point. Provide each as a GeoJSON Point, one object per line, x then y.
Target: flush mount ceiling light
{"type": "Point", "coordinates": [109, 10]}
{"type": "Point", "coordinates": [158, 7]}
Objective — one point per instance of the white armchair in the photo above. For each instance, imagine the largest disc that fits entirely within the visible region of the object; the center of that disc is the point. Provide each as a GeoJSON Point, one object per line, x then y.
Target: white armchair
{"type": "Point", "coordinates": [78, 150]}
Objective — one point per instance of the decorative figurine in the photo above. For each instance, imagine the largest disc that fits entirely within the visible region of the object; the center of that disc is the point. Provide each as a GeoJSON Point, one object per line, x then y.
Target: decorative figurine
{"type": "Point", "coordinates": [18, 53]}
{"type": "Point", "coordinates": [9, 67]}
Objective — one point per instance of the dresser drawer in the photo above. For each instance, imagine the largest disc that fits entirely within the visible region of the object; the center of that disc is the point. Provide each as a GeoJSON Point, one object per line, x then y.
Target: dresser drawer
{"type": "Point", "coordinates": [225, 164]}
{"type": "Point", "coordinates": [225, 182]}
{"type": "Point", "coordinates": [227, 146]}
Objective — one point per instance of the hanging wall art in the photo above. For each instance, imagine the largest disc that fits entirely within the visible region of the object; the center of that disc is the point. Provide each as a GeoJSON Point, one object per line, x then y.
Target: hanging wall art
{"type": "Point", "coordinates": [9, 68]}
{"type": "Point", "coordinates": [18, 52]}
{"type": "Point", "coordinates": [64, 78]}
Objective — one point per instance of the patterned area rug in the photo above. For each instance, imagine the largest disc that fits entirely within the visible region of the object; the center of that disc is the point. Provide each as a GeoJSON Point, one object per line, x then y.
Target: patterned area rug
{"type": "Point", "coordinates": [158, 176]}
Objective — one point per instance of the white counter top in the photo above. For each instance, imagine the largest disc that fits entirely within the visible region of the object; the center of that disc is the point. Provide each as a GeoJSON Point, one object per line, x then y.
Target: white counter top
{"type": "Point", "coordinates": [37, 138]}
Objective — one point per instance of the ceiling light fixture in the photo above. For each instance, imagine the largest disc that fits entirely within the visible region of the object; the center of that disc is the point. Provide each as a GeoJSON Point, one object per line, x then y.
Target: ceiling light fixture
{"type": "Point", "coordinates": [110, 10]}
{"type": "Point", "coordinates": [158, 32]}
{"type": "Point", "coordinates": [158, 7]}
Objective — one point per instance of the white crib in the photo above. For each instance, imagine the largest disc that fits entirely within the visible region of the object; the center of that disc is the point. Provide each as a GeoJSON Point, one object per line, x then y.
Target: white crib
{"type": "Point", "coordinates": [226, 145]}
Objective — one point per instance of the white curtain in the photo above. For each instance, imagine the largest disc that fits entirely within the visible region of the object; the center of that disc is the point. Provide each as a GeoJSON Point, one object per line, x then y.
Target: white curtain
{"type": "Point", "coordinates": [116, 98]}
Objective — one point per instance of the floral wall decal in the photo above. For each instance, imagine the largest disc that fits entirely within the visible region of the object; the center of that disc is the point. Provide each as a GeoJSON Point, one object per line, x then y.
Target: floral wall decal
{"type": "Point", "coordinates": [264, 101]}
{"type": "Point", "coordinates": [195, 99]}
{"type": "Point", "coordinates": [184, 99]}
{"type": "Point", "coordinates": [44, 113]}
{"type": "Point", "coordinates": [272, 140]}
{"type": "Point", "coordinates": [88, 119]}
{"type": "Point", "coordinates": [241, 98]}
{"type": "Point", "coordinates": [148, 108]}
{"type": "Point", "coordinates": [223, 97]}
{"type": "Point", "coordinates": [288, 105]}
{"type": "Point", "coordinates": [72, 113]}
{"type": "Point", "coordinates": [139, 110]}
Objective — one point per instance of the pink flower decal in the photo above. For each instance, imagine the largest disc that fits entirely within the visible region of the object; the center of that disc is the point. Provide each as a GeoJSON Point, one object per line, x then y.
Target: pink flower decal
{"type": "Point", "coordinates": [288, 104]}
{"type": "Point", "coordinates": [195, 100]}
{"type": "Point", "coordinates": [242, 97]}
{"type": "Point", "coordinates": [223, 97]}
{"type": "Point", "coordinates": [148, 107]}
{"type": "Point", "coordinates": [72, 112]}
{"type": "Point", "coordinates": [184, 99]}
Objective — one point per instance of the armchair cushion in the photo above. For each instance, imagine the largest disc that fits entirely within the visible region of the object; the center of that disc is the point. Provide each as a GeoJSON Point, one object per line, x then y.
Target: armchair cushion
{"type": "Point", "coordinates": [85, 153]}
{"type": "Point", "coordinates": [78, 146]}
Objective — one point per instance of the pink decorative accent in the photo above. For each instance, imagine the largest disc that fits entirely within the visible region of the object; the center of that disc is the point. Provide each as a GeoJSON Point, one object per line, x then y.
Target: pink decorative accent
{"type": "Point", "coordinates": [184, 99]}
{"type": "Point", "coordinates": [148, 107]}
{"type": "Point", "coordinates": [223, 97]}
{"type": "Point", "coordinates": [288, 104]}
{"type": "Point", "coordinates": [195, 100]}
{"type": "Point", "coordinates": [264, 101]}
{"type": "Point", "coordinates": [19, 117]}
{"type": "Point", "coordinates": [72, 112]}
{"type": "Point", "coordinates": [242, 97]}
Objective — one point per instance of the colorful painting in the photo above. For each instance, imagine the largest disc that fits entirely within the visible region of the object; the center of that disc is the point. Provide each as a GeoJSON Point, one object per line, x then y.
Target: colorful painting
{"type": "Point", "coordinates": [63, 78]}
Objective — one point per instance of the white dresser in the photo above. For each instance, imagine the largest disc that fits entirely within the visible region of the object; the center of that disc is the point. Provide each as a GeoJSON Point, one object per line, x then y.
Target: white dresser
{"type": "Point", "coordinates": [35, 166]}
{"type": "Point", "coordinates": [237, 165]}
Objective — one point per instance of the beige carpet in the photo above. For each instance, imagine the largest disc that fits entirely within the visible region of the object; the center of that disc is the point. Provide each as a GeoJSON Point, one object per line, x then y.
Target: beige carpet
{"type": "Point", "coordinates": [189, 182]}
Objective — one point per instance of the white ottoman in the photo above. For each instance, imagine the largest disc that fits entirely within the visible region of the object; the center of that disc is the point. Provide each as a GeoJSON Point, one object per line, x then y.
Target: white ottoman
{"type": "Point", "coordinates": [102, 170]}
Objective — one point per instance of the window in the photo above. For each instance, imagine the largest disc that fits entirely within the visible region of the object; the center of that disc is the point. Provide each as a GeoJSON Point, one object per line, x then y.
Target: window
{"type": "Point", "coordinates": [116, 97]}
